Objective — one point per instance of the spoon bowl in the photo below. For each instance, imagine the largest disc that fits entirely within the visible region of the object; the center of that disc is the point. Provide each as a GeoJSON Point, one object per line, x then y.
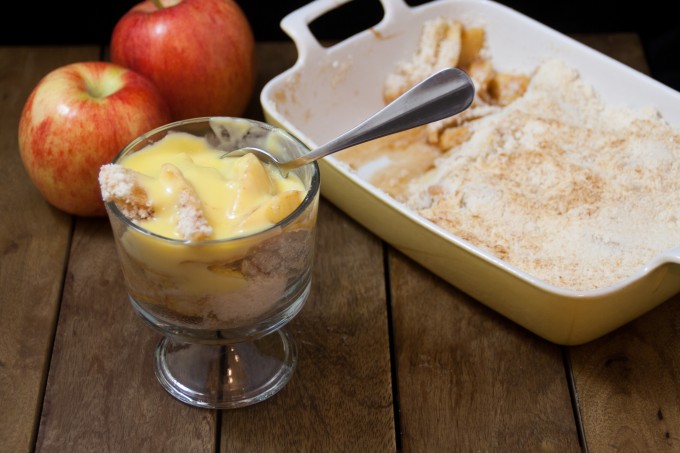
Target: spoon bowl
{"type": "Point", "coordinates": [441, 95]}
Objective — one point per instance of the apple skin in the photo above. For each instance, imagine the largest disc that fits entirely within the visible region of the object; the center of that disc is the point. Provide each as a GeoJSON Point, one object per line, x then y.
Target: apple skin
{"type": "Point", "coordinates": [77, 118]}
{"type": "Point", "coordinates": [199, 53]}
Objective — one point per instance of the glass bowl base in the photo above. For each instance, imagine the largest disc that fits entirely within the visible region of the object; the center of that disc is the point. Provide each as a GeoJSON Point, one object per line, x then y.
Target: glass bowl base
{"type": "Point", "coordinates": [226, 376]}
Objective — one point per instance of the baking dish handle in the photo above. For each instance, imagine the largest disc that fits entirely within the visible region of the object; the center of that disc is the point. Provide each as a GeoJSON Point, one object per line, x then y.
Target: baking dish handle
{"type": "Point", "coordinates": [296, 24]}
{"type": "Point", "coordinates": [672, 256]}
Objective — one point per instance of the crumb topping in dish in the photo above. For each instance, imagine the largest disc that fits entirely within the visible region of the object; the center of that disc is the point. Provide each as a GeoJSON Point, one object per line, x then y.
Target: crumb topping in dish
{"type": "Point", "coordinates": [552, 180]}
{"type": "Point", "coordinates": [573, 191]}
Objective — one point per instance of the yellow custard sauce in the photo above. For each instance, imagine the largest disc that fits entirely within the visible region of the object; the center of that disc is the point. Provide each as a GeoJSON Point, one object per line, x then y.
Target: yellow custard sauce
{"type": "Point", "coordinates": [237, 195]}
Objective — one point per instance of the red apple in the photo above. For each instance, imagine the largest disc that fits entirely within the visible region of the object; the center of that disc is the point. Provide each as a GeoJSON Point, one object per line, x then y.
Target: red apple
{"type": "Point", "coordinates": [77, 118]}
{"type": "Point", "coordinates": [199, 53]}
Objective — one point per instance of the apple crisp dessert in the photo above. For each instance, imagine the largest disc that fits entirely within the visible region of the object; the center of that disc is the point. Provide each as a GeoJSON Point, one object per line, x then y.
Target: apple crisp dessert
{"type": "Point", "coordinates": [541, 172]}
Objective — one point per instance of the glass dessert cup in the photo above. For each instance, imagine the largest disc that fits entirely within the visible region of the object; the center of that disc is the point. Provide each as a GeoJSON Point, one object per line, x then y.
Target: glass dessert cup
{"type": "Point", "coordinates": [222, 305]}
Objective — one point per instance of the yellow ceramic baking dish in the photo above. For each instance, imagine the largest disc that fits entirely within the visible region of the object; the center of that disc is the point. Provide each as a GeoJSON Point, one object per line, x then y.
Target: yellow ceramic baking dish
{"type": "Point", "coordinates": [331, 89]}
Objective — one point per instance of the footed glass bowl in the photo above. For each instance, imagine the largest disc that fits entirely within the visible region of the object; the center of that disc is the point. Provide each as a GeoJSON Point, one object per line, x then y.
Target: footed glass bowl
{"type": "Point", "coordinates": [221, 305]}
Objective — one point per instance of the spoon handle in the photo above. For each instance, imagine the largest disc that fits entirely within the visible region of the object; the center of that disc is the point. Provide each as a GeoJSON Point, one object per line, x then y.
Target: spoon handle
{"type": "Point", "coordinates": [443, 94]}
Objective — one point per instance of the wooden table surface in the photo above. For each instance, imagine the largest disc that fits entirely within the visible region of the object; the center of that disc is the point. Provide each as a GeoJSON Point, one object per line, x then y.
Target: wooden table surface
{"type": "Point", "coordinates": [391, 358]}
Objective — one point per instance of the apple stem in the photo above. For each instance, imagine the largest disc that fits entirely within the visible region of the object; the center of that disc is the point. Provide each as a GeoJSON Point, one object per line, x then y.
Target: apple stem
{"type": "Point", "coordinates": [157, 4]}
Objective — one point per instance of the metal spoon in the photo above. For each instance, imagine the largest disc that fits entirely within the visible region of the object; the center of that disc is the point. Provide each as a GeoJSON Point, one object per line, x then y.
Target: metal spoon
{"type": "Point", "coordinates": [443, 94]}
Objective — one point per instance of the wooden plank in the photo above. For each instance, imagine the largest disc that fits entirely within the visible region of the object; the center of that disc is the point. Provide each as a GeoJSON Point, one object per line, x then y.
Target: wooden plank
{"type": "Point", "coordinates": [34, 239]}
{"type": "Point", "coordinates": [469, 379]}
{"type": "Point", "coordinates": [627, 381]}
{"type": "Point", "coordinates": [627, 384]}
{"type": "Point", "coordinates": [102, 394]}
{"type": "Point", "coordinates": [625, 47]}
{"type": "Point", "coordinates": [340, 397]}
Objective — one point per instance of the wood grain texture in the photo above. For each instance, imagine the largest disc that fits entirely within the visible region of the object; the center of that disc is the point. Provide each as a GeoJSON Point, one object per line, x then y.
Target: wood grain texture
{"type": "Point", "coordinates": [624, 47]}
{"type": "Point", "coordinates": [627, 382]}
{"type": "Point", "coordinates": [470, 380]}
{"type": "Point", "coordinates": [34, 239]}
{"type": "Point", "coordinates": [102, 394]}
{"type": "Point", "coordinates": [340, 397]}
